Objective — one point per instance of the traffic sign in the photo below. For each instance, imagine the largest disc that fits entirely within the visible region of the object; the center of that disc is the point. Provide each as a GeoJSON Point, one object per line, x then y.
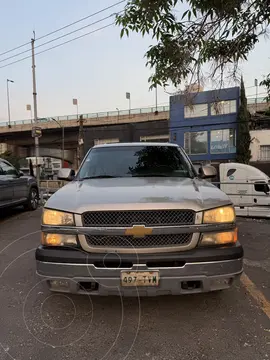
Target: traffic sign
{"type": "Point", "coordinates": [36, 132]}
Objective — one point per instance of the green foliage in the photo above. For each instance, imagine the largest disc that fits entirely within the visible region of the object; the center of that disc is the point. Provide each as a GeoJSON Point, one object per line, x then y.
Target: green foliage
{"type": "Point", "coordinates": [11, 158]}
{"type": "Point", "coordinates": [266, 83]}
{"type": "Point", "coordinates": [222, 32]}
{"type": "Point", "coordinates": [243, 138]}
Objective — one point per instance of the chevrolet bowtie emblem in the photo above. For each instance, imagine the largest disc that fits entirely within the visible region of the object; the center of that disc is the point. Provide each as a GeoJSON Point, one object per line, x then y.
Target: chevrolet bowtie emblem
{"type": "Point", "coordinates": [139, 231]}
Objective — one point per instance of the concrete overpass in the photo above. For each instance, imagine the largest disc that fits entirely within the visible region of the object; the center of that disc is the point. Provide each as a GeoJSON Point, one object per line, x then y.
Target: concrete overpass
{"type": "Point", "coordinates": [71, 121]}
{"type": "Point", "coordinates": [20, 140]}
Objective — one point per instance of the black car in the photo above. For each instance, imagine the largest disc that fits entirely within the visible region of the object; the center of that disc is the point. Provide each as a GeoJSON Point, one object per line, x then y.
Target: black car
{"type": "Point", "coordinates": [17, 189]}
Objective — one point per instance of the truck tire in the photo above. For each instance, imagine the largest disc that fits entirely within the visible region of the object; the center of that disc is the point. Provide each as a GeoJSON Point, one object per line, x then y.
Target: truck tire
{"type": "Point", "coordinates": [32, 202]}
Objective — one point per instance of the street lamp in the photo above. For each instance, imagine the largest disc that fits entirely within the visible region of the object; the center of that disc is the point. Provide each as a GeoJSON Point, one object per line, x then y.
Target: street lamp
{"type": "Point", "coordinates": [75, 102]}
{"type": "Point", "coordinates": [118, 111]}
{"type": "Point", "coordinates": [63, 140]}
{"type": "Point", "coordinates": [128, 97]}
{"type": "Point", "coordinates": [156, 93]}
{"type": "Point", "coordinates": [29, 108]}
{"type": "Point", "coordinates": [8, 81]}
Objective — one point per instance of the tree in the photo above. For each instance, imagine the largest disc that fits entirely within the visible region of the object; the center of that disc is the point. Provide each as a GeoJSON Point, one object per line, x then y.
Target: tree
{"type": "Point", "coordinates": [11, 158]}
{"type": "Point", "coordinates": [243, 138]}
{"type": "Point", "coordinates": [220, 32]}
{"type": "Point", "coordinates": [266, 83]}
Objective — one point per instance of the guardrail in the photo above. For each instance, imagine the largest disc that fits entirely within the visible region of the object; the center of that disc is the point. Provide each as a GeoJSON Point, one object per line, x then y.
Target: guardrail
{"type": "Point", "coordinates": [49, 187]}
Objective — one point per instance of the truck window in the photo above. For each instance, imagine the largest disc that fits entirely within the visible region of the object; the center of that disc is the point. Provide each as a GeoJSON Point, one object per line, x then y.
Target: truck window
{"type": "Point", "coordinates": [230, 172]}
{"type": "Point", "coordinates": [135, 161]}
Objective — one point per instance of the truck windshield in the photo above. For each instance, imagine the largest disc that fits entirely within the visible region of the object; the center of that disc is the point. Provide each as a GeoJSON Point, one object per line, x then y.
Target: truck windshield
{"type": "Point", "coordinates": [135, 161]}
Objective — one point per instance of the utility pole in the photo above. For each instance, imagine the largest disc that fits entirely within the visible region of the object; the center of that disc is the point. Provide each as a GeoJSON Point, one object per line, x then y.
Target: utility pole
{"type": "Point", "coordinates": [63, 140]}
{"type": "Point", "coordinates": [63, 146]}
{"type": "Point", "coordinates": [80, 141]}
{"type": "Point", "coordinates": [256, 100]}
{"type": "Point", "coordinates": [35, 106]}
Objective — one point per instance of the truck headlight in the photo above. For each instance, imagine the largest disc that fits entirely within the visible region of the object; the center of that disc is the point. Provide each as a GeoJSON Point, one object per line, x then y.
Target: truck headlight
{"type": "Point", "coordinates": [224, 214]}
{"type": "Point", "coordinates": [222, 238]}
{"type": "Point", "coordinates": [58, 240]}
{"type": "Point", "coordinates": [53, 217]}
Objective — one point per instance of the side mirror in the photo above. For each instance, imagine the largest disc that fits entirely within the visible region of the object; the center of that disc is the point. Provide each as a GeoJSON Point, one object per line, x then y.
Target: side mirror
{"type": "Point", "coordinates": [207, 172]}
{"type": "Point", "coordinates": [21, 173]}
{"type": "Point", "coordinates": [262, 187]}
{"type": "Point", "coordinates": [66, 174]}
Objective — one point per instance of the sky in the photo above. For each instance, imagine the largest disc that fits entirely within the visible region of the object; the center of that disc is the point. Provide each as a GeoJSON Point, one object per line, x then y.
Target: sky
{"type": "Point", "coordinates": [97, 69]}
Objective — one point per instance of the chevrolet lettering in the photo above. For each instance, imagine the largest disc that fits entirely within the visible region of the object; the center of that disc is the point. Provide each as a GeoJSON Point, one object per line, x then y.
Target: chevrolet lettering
{"type": "Point", "coordinates": [137, 218]}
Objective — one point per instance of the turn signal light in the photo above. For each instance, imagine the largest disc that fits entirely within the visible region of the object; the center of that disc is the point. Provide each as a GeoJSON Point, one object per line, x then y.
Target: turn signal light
{"type": "Point", "coordinates": [222, 238]}
{"type": "Point", "coordinates": [58, 240]}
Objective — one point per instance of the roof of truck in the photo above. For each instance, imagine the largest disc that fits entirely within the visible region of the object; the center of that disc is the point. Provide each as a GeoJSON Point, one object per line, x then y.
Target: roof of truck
{"type": "Point", "coordinates": [136, 144]}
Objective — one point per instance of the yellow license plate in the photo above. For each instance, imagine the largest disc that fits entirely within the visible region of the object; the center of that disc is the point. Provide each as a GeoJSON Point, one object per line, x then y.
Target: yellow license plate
{"type": "Point", "coordinates": [139, 278]}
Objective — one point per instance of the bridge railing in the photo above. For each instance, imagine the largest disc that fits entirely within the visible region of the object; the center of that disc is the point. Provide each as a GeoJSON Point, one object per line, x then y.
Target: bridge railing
{"type": "Point", "coordinates": [147, 110]}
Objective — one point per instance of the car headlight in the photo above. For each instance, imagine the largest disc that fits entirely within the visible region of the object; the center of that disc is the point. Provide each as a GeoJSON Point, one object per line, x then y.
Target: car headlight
{"type": "Point", "coordinates": [222, 238]}
{"type": "Point", "coordinates": [53, 217]}
{"type": "Point", "coordinates": [224, 214]}
{"type": "Point", "coordinates": [58, 240]}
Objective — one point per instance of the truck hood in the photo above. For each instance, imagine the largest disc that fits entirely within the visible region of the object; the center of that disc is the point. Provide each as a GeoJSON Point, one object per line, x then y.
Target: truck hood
{"type": "Point", "coordinates": [137, 193]}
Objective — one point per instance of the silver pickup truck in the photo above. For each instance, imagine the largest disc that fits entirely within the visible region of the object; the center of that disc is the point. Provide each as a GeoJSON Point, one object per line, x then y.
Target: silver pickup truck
{"type": "Point", "coordinates": [137, 219]}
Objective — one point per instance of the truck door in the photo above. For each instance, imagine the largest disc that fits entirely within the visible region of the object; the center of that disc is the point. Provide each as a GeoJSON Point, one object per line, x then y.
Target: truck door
{"type": "Point", "coordinates": [235, 183]}
{"type": "Point", "coordinates": [261, 200]}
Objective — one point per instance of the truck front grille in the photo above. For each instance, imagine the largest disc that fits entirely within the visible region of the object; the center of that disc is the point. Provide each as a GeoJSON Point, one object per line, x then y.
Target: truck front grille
{"type": "Point", "coordinates": [148, 241]}
{"type": "Point", "coordinates": [141, 217]}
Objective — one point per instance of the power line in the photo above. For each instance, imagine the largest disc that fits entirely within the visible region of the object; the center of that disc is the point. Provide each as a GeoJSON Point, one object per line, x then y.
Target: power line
{"type": "Point", "coordinates": [64, 27]}
{"type": "Point", "coordinates": [59, 37]}
{"type": "Point", "coordinates": [53, 47]}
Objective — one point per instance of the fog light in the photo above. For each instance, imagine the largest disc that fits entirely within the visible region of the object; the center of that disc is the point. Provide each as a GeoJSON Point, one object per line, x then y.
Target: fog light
{"type": "Point", "coordinates": [217, 284]}
{"type": "Point", "coordinates": [59, 284]}
{"type": "Point", "coordinates": [222, 238]}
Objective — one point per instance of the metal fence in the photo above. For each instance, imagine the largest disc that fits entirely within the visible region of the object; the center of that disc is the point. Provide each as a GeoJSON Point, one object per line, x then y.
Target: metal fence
{"type": "Point", "coordinates": [49, 187]}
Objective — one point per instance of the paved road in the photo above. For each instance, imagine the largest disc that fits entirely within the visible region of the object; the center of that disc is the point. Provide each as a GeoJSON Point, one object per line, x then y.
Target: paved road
{"type": "Point", "coordinates": [37, 325]}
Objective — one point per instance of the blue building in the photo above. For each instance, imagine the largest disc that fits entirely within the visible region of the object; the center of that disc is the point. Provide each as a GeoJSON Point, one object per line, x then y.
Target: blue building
{"type": "Point", "coordinates": [204, 123]}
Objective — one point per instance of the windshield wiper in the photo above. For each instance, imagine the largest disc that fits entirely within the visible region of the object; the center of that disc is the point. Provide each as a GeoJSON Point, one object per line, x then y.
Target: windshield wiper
{"type": "Point", "coordinates": [99, 177]}
{"type": "Point", "coordinates": [151, 175]}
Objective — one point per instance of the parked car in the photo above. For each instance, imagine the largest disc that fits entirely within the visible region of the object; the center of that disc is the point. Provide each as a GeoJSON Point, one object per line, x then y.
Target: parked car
{"type": "Point", "coordinates": [16, 188]}
{"type": "Point", "coordinates": [137, 219]}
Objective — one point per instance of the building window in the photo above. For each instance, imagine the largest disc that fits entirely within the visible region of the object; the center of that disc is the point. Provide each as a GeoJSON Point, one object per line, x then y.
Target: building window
{"type": "Point", "coordinates": [155, 138]}
{"type": "Point", "coordinates": [196, 142]}
{"type": "Point", "coordinates": [223, 141]}
{"type": "Point", "coordinates": [56, 165]}
{"type": "Point", "coordinates": [105, 141]}
{"type": "Point", "coordinates": [196, 110]}
{"type": "Point", "coordinates": [223, 107]}
{"type": "Point", "coordinates": [3, 148]}
{"type": "Point", "coordinates": [265, 152]}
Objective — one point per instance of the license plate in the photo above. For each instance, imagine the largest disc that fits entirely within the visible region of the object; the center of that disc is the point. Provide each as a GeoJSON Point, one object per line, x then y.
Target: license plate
{"type": "Point", "coordinates": [139, 278]}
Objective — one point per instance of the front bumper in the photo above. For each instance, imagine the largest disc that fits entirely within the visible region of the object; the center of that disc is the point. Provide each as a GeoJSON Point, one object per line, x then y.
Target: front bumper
{"type": "Point", "coordinates": [195, 271]}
